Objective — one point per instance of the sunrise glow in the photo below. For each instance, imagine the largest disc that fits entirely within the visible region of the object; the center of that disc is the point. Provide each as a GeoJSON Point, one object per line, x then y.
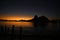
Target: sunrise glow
{"type": "Point", "coordinates": [16, 18]}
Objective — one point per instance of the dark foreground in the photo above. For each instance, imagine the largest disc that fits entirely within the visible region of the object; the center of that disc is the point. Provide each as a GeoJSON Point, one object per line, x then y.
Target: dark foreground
{"type": "Point", "coordinates": [53, 36]}
{"type": "Point", "coordinates": [34, 34]}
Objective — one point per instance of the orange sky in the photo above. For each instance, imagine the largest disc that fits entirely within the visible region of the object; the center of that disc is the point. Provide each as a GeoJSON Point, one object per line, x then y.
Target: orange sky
{"type": "Point", "coordinates": [16, 17]}
{"type": "Point", "coordinates": [21, 18]}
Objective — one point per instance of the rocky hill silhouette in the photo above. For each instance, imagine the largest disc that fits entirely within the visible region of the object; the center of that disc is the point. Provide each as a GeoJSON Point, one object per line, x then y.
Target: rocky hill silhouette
{"type": "Point", "coordinates": [41, 19]}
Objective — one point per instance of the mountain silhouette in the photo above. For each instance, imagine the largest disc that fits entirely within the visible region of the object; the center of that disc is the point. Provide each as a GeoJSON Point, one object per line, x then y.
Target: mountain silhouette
{"type": "Point", "coordinates": [35, 19]}
{"type": "Point", "coordinates": [42, 21]}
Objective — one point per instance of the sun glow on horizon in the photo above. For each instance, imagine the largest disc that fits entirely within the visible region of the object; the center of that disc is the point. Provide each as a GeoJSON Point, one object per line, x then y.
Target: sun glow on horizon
{"type": "Point", "coordinates": [16, 18]}
{"type": "Point", "coordinates": [21, 18]}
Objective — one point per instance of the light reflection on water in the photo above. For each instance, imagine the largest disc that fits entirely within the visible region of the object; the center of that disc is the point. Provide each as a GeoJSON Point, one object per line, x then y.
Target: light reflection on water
{"type": "Point", "coordinates": [17, 24]}
{"type": "Point", "coordinates": [50, 26]}
{"type": "Point", "coordinates": [28, 26]}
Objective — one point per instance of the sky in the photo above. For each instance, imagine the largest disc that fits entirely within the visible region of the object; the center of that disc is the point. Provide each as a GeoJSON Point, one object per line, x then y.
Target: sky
{"type": "Point", "coordinates": [26, 9]}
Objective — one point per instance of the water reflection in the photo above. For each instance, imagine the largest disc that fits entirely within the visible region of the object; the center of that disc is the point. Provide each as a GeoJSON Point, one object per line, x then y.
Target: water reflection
{"type": "Point", "coordinates": [17, 24]}
{"type": "Point", "coordinates": [50, 26]}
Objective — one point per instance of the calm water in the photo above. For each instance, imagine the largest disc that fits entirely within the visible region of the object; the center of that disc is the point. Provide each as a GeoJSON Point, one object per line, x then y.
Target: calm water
{"type": "Point", "coordinates": [29, 24]}
{"type": "Point", "coordinates": [17, 24]}
{"type": "Point", "coordinates": [28, 27]}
